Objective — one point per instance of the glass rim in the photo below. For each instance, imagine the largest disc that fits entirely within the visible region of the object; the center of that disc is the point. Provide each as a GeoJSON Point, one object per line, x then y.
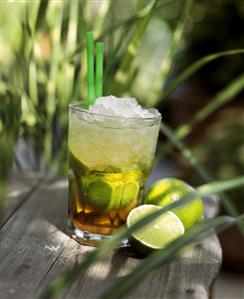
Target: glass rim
{"type": "Point", "coordinates": [74, 106]}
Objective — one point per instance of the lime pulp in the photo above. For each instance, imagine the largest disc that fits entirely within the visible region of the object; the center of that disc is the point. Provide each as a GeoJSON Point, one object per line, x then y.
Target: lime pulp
{"type": "Point", "coordinates": [158, 233]}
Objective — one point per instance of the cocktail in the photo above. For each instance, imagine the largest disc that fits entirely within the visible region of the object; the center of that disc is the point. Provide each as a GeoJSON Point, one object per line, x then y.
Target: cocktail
{"type": "Point", "coordinates": [111, 147]}
{"type": "Point", "coordinates": [111, 150]}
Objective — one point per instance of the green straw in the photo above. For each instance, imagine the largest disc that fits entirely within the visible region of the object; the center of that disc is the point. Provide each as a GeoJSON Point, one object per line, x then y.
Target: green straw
{"type": "Point", "coordinates": [99, 69]}
{"type": "Point", "coordinates": [90, 68]}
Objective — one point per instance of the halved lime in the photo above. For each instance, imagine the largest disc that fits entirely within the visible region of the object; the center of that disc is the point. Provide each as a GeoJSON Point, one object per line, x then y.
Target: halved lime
{"type": "Point", "coordinates": [156, 234]}
{"type": "Point", "coordinates": [166, 191]}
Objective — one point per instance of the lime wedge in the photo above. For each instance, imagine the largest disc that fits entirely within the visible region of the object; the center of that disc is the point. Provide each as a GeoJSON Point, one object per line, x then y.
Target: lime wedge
{"type": "Point", "coordinates": [130, 193]}
{"type": "Point", "coordinates": [112, 169]}
{"type": "Point", "coordinates": [76, 165]}
{"type": "Point", "coordinates": [99, 195]}
{"type": "Point", "coordinates": [156, 234]}
{"type": "Point", "coordinates": [106, 196]}
{"type": "Point", "coordinates": [115, 200]}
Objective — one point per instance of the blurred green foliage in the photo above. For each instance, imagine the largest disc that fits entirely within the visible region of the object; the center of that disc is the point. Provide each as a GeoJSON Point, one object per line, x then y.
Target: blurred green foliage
{"type": "Point", "coordinates": [9, 126]}
{"type": "Point", "coordinates": [43, 63]}
{"type": "Point", "coordinates": [217, 26]}
{"type": "Point", "coordinates": [222, 149]}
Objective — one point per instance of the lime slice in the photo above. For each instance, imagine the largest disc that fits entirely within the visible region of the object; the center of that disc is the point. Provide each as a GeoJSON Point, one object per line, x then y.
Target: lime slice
{"type": "Point", "coordinates": [99, 194]}
{"type": "Point", "coordinates": [76, 165]}
{"type": "Point", "coordinates": [130, 193]}
{"type": "Point", "coordinates": [156, 234]}
{"type": "Point", "coordinates": [106, 196]}
{"type": "Point", "coordinates": [115, 200]}
{"type": "Point", "coordinates": [166, 191]}
{"type": "Point", "coordinates": [112, 169]}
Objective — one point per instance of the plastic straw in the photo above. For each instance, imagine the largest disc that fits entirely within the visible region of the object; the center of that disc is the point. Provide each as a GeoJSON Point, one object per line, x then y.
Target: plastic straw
{"type": "Point", "coordinates": [90, 68]}
{"type": "Point", "coordinates": [99, 69]}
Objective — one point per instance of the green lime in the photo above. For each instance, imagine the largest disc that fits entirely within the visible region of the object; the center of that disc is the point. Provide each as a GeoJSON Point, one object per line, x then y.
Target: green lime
{"type": "Point", "coordinates": [99, 195]}
{"type": "Point", "coordinates": [166, 191]}
{"type": "Point", "coordinates": [106, 196]}
{"type": "Point", "coordinates": [158, 233]}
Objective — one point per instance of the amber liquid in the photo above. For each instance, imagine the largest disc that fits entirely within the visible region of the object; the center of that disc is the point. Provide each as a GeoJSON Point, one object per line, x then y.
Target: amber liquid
{"type": "Point", "coordinates": [99, 202]}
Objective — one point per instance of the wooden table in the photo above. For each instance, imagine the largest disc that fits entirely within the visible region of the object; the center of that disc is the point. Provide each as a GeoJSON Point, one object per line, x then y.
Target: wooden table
{"type": "Point", "coordinates": [35, 250]}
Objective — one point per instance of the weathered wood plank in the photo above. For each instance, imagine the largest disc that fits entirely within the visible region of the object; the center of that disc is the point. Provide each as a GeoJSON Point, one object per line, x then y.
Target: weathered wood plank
{"type": "Point", "coordinates": [32, 240]}
{"type": "Point", "coordinates": [35, 250]}
{"type": "Point", "coordinates": [189, 277]}
{"type": "Point", "coordinates": [20, 187]}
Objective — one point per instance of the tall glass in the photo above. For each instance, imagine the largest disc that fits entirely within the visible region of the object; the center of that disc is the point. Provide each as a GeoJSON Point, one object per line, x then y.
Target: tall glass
{"type": "Point", "coordinates": [110, 159]}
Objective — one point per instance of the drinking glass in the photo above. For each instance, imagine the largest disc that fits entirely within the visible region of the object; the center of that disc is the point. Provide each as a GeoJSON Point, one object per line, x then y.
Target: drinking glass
{"type": "Point", "coordinates": [110, 159]}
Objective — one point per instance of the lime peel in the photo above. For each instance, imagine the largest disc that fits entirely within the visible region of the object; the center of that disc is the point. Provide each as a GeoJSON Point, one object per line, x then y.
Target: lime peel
{"type": "Point", "coordinates": [166, 191]}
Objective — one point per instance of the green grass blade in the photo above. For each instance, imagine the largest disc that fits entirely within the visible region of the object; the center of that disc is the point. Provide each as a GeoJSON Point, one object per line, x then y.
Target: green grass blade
{"type": "Point", "coordinates": [79, 92]}
{"type": "Point", "coordinates": [33, 90]}
{"type": "Point", "coordinates": [224, 96]}
{"type": "Point", "coordinates": [41, 14]}
{"type": "Point", "coordinates": [51, 102]}
{"type": "Point", "coordinates": [107, 246]}
{"type": "Point", "coordinates": [55, 57]}
{"type": "Point", "coordinates": [167, 62]}
{"type": "Point", "coordinates": [216, 187]}
{"type": "Point", "coordinates": [118, 49]}
{"type": "Point", "coordinates": [185, 151]}
{"type": "Point", "coordinates": [197, 165]}
{"type": "Point", "coordinates": [32, 9]}
{"type": "Point", "coordinates": [66, 77]}
{"type": "Point", "coordinates": [102, 13]}
{"type": "Point", "coordinates": [129, 22]}
{"type": "Point", "coordinates": [194, 67]}
{"type": "Point", "coordinates": [10, 112]}
{"type": "Point", "coordinates": [72, 26]}
{"type": "Point", "coordinates": [125, 71]}
{"type": "Point", "coordinates": [163, 256]}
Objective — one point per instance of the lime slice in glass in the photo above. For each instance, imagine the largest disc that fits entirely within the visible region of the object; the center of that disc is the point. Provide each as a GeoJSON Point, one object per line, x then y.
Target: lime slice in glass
{"type": "Point", "coordinates": [99, 195]}
{"type": "Point", "coordinates": [76, 165]}
{"type": "Point", "coordinates": [130, 193]}
{"type": "Point", "coordinates": [106, 196]}
{"type": "Point", "coordinates": [156, 234]}
{"type": "Point", "coordinates": [115, 200]}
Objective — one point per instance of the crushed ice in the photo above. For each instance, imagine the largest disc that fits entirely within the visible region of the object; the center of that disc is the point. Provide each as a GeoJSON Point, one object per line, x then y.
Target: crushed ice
{"type": "Point", "coordinates": [122, 107]}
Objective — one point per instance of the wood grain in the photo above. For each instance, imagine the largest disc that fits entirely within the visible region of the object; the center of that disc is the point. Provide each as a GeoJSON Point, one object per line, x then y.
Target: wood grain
{"type": "Point", "coordinates": [35, 250]}
{"type": "Point", "coordinates": [20, 188]}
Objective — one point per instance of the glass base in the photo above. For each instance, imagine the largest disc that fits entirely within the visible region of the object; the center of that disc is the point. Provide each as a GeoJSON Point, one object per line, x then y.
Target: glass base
{"type": "Point", "coordinates": [87, 238]}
